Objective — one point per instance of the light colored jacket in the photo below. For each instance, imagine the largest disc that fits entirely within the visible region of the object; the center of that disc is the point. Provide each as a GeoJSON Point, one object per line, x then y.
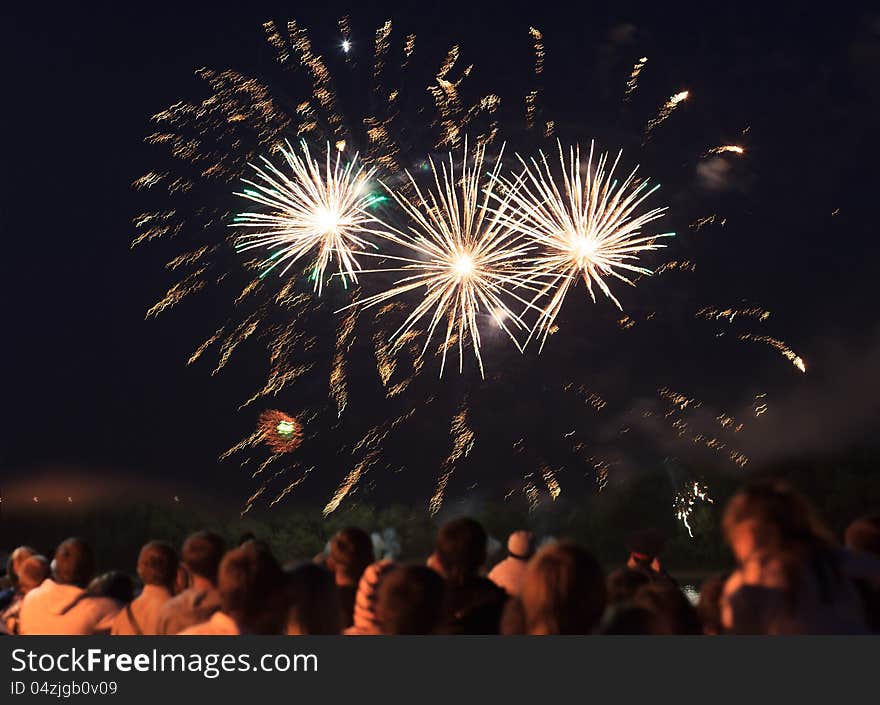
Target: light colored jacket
{"type": "Point", "coordinates": [508, 574]}
{"type": "Point", "coordinates": [55, 608]}
{"type": "Point", "coordinates": [189, 608]}
{"type": "Point", "coordinates": [144, 617]}
{"type": "Point", "coordinates": [220, 624]}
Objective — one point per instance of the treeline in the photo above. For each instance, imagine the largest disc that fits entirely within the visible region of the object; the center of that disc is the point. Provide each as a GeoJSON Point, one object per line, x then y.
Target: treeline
{"type": "Point", "coordinates": [841, 489]}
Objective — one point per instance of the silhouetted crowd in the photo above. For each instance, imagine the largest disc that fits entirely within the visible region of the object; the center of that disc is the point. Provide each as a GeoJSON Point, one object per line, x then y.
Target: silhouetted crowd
{"type": "Point", "coordinates": [791, 577]}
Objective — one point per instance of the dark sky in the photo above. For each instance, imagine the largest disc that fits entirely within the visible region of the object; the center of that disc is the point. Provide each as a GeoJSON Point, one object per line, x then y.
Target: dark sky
{"type": "Point", "coordinates": [89, 386]}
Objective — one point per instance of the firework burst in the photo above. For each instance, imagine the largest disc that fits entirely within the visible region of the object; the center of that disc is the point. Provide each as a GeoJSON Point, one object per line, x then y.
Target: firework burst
{"type": "Point", "coordinates": [280, 431]}
{"type": "Point", "coordinates": [311, 212]}
{"type": "Point", "coordinates": [588, 228]}
{"type": "Point", "coordinates": [464, 257]}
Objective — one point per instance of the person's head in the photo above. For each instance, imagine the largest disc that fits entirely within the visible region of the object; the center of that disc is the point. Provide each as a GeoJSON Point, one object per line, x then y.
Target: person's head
{"type": "Point", "coordinates": [521, 545]}
{"type": "Point", "coordinates": [157, 564]}
{"type": "Point", "coordinates": [563, 591]}
{"type": "Point", "coordinates": [623, 583]}
{"type": "Point", "coordinates": [33, 572]}
{"type": "Point", "coordinates": [630, 619]}
{"type": "Point", "coordinates": [645, 547]}
{"type": "Point", "coordinates": [351, 551]}
{"type": "Point", "coordinates": [709, 604]}
{"type": "Point", "coordinates": [461, 549]}
{"type": "Point", "coordinates": [673, 613]}
{"type": "Point", "coordinates": [769, 516]}
{"type": "Point", "coordinates": [864, 535]}
{"type": "Point", "coordinates": [312, 600]}
{"type": "Point", "coordinates": [410, 600]}
{"type": "Point", "coordinates": [250, 584]}
{"type": "Point", "coordinates": [113, 584]}
{"type": "Point", "coordinates": [74, 563]}
{"type": "Point", "coordinates": [202, 553]}
{"type": "Point", "coordinates": [15, 561]}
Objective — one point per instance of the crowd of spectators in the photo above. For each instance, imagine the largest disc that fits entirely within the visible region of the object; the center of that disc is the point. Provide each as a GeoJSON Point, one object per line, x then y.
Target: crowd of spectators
{"type": "Point", "coordinates": [790, 577]}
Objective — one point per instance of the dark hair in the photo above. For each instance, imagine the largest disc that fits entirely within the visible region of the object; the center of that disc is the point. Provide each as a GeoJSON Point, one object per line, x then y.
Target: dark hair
{"type": "Point", "coordinates": [312, 600]}
{"type": "Point", "coordinates": [623, 583]}
{"type": "Point", "coordinates": [250, 583]}
{"type": "Point", "coordinates": [202, 553]}
{"type": "Point", "coordinates": [461, 548]}
{"type": "Point", "coordinates": [16, 559]}
{"type": "Point", "coordinates": [74, 562]}
{"type": "Point", "coordinates": [33, 571]}
{"type": "Point", "coordinates": [563, 591]}
{"type": "Point", "coordinates": [113, 584]}
{"type": "Point", "coordinates": [783, 517]}
{"type": "Point", "coordinates": [630, 619]}
{"type": "Point", "coordinates": [157, 564]}
{"type": "Point", "coordinates": [785, 524]}
{"type": "Point", "coordinates": [675, 615]}
{"type": "Point", "coordinates": [351, 551]}
{"type": "Point", "coordinates": [410, 601]}
{"type": "Point", "coordinates": [864, 534]}
{"type": "Point", "coordinates": [709, 604]}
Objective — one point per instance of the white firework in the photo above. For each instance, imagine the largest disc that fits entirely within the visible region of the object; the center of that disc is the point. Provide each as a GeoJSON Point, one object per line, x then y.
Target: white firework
{"type": "Point", "coordinates": [588, 227]}
{"type": "Point", "coordinates": [312, 212]}
{"type": "Point", "coordinates": [464, 256]}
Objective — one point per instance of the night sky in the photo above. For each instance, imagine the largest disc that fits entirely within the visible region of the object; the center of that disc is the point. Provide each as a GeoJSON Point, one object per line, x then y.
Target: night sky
{"type": "Point", "coordinates": [93, 390]}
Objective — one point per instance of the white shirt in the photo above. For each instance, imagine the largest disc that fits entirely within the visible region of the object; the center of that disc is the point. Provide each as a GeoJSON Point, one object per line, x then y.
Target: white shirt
{"type": "Point", "coordinates": [220, 624]}
{"type": "Point", "coordinates": [508, 574]}
{"type": "Point", "coordinates": [145, 608]}
{"type": "Point", "coordinates": [54, 608]}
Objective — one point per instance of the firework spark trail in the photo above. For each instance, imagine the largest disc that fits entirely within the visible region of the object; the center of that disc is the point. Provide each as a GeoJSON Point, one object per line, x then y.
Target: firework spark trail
{"type": "Point", "coordinates": [588, 230]}
{"type": "Point", "coordinates": [634, 78]}
{"type": "Point", "coordinates": [350, 482]}
{"type": "Point", "coordinates": [250, 441]}
{"type": "Point", "coordinates": [759, 404]}
{"type": "Point", "coordinates": [679, 403]}
{"type": "Point", "coordinates": [242, 332]}
{"type": "Point", "coordinates": [586, 395]}
{"type": "Point", "coordinates": [322, 88]}
{"type": "Point", "coordinates": [249, 504]}
{"type": "Point", "coordinates": [463, 439]}
{"type": "Point", "coordinates": [530, 490]}
{"type": "Point", "coordinates": [383, 149]}
{"type": "Point", "coordinates": [550, 480]}
{"type": "Point", "coordinates": [311, 212]}
{"type": "Point", "coordinates": [199, 351]}
{"type": "Point", "coordinates": [155, 224]}
{"type": "Point", "coordinates": [464, 257]}
{"type": "Point", "coordinates": [190, 284]}
{"type": "Point", "coordinates": [602, 468]}
{"type": "Point", "coordinates": [290, 487]}
{"type": "Point", "coordinates": [786, 351]}
{"type": "Point", "coordinates": [686, 500]}
{"type": "Point", "coordinates": [532, 96]}
{"type": "Point", "coordinates": [678, 400]}
{"type": "Point", "coordinates": [344, 340]}
{"type": "Point", "coordinates": [665, 111]}
{"type": "Point", "coordinates": [713, 313]}
{"type": "Point", "coordinates": [702, 222]}
{"type": "Point", "coordinates": [725, 148]}
{"type": "Point", "coordinates": [453, 118]}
